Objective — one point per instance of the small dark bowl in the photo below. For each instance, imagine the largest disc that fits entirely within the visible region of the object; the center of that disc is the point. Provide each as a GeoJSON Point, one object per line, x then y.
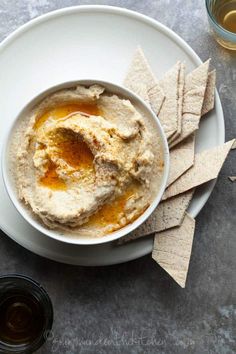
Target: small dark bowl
{"type": "Point", "coordinates": [25, 286]}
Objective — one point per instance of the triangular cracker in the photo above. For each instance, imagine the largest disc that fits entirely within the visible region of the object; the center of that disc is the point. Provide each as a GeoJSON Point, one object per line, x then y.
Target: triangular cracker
{"type": "Point", "coordinates": [232, 178]}
{"type": "Point", "coordinates": [169, 113]}
{"type": "Point", "coordinates": [168, 214]}
{"type": "Point", "coordinates": [181, 159]}
{"type": "Point", "coordinates": [140, 73]}
{"type": "Point", "coordinates": [194, 93]}
{"type": "Point", "coordinates": [234, 145]}
{"type": "Point", "coordinates": [156, 98]}
{"type": "Point", "coordinates": [209, 99]}
{"type": "Point", "coordinates": [207, 166]}
{"type": "Point", "coordinates": [180, 102]}
{"type": "Point", "coordinates": [172, 249]}
{"type": "Point", "coordinates": [142, 91]}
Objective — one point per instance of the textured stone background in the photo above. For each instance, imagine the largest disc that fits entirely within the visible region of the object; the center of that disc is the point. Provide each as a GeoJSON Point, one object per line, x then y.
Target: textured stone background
{"type": "Point", "coordinates": [136, 307]}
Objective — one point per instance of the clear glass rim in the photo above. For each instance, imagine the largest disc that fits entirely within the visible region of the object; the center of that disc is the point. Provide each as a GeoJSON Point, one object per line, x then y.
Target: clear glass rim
{"type": "Point", "coordinates": [216, 23]}
{"type": "Point", "coordinates": [48, 308]}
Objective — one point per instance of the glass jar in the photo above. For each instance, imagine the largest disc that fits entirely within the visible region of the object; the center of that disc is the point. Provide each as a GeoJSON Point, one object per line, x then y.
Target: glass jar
{"type": "Point", "coordinates": [26, 314]}
{"type": "Point", "coordinates": [222, 20]}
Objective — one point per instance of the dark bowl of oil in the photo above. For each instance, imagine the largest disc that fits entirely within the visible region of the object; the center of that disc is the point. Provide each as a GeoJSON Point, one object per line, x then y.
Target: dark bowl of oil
{"type": "Point", "coordinates": [26, 314]}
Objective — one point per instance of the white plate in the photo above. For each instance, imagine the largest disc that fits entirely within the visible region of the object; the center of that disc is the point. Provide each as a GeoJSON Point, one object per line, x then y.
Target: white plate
{"type": "Point", "coordinates": [77, 43]}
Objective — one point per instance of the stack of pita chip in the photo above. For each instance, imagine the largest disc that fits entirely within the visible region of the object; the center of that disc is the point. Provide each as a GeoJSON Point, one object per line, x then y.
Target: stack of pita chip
{"type": "Point", "coordinates": [180, 100]}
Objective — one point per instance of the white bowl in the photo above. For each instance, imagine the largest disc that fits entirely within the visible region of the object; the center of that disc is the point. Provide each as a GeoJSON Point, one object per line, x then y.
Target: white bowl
{"type": "Point", "coordinates": [63, 236]}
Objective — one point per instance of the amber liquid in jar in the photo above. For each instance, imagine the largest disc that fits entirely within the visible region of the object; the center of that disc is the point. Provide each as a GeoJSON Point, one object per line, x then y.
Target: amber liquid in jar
{"type": "Point", "coordinates": [224, 13]}
{"type": "Point", "coordinates": [21, 318]}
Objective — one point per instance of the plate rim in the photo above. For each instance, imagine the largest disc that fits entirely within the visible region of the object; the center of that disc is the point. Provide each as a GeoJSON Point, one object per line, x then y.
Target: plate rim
{"type": "Point", "coordinates": [147, 20]}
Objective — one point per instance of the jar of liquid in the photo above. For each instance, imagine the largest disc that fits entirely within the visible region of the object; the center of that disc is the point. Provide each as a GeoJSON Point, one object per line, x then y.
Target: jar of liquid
{"type": "Point", "coordinates": [26, 314]}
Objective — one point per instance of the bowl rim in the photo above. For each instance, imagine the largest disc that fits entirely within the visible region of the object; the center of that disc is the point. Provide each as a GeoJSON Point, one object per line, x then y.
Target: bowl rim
{"type": "Point", "coordinates": [20, 207]}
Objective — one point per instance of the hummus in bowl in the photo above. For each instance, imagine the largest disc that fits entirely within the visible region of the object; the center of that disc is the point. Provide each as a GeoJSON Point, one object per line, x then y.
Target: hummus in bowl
{"type": "Point", "coordinates": [86, 162]}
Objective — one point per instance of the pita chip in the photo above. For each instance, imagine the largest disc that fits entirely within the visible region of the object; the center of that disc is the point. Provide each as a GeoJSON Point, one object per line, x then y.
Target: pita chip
{"type": "Point", "coordinates": [168, 214]}
{"type": "Point", "coordinates": [172, 249]}
{"type": "Point", "coordinates": [143, 93]}
{"type": "Point", "coordinates": [156, 98]}
{"type": "Point", "coordinates": [180, 102]}
{"type": "Point", "coordinates": [209, 99]}
{"type": "Point", "coordinates": [207, 166]}
{"type": "Point", "coordinates": [181, 159]}
{"type": "Point", "coordinates": [170, 111]}
{"type": "Point", "coordinates": [141, 80]}
{"type": "Point", "coordinates": [234, 145]}
{"type": "Point", "coordinates": [232, 178]}
{"type": "Point", "coordinates": [194, 93]}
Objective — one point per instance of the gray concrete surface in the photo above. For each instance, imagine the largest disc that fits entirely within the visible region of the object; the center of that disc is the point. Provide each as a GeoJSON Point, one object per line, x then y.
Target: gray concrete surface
{"type": "Point", "coordinates": [136, 307]}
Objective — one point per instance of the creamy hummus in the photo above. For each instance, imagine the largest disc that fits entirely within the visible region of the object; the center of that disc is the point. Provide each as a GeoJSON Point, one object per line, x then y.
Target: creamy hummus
{"type": "Point", "coordinates": [89, 161]}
